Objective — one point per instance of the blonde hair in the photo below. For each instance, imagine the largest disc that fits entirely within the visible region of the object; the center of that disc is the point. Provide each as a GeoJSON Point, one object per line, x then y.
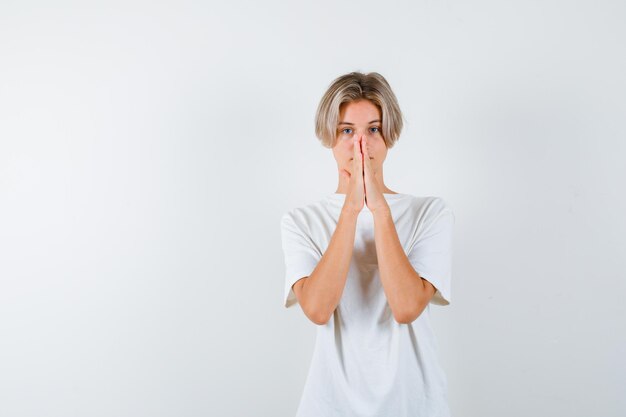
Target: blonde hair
{"type": "Point", "coordinates": [352, 87]}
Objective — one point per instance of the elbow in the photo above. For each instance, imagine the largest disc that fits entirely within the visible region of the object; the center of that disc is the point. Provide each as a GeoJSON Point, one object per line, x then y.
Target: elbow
{"type": "Point", "coordinates": [320, 322]}
{"type": "Point", "coordinates": [403, 318]}
{"type": "Point", "coordinates": [320, 318]}
{"type": "Point", "coordinates": [408, 316]}
{"type": "Point", "coordinates": [316, 315]}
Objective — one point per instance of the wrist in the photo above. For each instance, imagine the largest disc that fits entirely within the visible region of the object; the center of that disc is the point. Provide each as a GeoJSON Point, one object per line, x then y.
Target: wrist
{"type": "Point", "coordinates": [349, 213]}
{"type": "Point", "coordinates": [382, 212]}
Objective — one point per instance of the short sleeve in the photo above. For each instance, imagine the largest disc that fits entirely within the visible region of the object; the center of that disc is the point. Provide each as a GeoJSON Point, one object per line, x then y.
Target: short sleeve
{"type": "Point", "coordinates": [431, 255]}
{"type": "Point", "coordinates": [301, 256]}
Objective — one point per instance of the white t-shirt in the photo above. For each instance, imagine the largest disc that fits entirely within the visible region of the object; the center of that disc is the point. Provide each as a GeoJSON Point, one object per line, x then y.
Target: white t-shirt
{"type": "Point", "coordinates": [364, 362]}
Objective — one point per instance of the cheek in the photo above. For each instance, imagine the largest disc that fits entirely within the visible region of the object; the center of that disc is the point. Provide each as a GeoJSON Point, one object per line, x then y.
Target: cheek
{"type": "Point", "coordinates": [378, 148]}
{"type": "Point", "coordinates": [380, 153]}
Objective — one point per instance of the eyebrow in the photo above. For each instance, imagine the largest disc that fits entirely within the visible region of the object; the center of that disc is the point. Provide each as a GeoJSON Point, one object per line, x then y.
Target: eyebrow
{"type": "Point", "coordinates": [346, 123]}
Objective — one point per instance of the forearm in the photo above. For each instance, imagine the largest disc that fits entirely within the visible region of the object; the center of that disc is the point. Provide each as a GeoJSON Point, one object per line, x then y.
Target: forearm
{"type": "Point", "coordinates": [402, 285]}
{"type": "Point", "coordinates": [324, 287]}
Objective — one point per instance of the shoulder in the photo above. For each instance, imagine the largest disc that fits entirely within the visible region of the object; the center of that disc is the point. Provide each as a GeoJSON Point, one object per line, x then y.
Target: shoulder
{"type": "Point", "coordinates": [302, 216]}
{"type": "Point", "coordinates": [437, 204]}
{"type": "Point", "coordinates": [428, 205]}
{"type": "Point", "coordinates": [438, 214]}
{"type": "Point", "coordinates": [427, 211]}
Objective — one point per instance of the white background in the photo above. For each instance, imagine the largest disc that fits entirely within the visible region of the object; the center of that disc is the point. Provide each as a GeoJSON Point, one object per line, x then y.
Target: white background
{"type": "Point", "coordinates": [148, 150]}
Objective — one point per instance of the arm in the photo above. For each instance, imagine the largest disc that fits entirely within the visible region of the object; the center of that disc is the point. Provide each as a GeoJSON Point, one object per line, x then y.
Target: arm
{"type": "Point", "coordinates": [407, 293]}
{"type": "Point", "coordinates": [320, 293]}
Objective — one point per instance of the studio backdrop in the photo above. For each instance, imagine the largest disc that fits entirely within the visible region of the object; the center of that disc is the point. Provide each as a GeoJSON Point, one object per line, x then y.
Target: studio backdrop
{"type": "Point", "coordinates": [149, 149]}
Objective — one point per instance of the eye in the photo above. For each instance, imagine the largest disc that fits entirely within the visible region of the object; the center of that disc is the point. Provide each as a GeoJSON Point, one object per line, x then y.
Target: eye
{"type": "Point", "coordinates": [375, 129]}
{"type": "Point", "coordinates": [344, 131]}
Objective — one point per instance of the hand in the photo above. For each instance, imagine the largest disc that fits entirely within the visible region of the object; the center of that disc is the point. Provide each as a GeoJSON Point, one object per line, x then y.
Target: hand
{"type": "Point", "coordinates": [356, 187]}
{"type": "Point", "coordinates": [374, 198]}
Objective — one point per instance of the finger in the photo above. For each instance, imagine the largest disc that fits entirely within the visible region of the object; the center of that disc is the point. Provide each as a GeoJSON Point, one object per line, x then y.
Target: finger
{"type": "Point", "coordinates": [366, 155]}
{"type": "Point", "coordinates": [355, 155]}
{"type": "Point", "coordinates": [362, 178]}
{"type": "Point", "coordinates": [360, 158]}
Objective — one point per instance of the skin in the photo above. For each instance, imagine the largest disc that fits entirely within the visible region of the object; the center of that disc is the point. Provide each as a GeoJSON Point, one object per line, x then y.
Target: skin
{"type": "Point", "coordinates": [359, 131]}
{"type": "Point", "coordinates": [360, 152]}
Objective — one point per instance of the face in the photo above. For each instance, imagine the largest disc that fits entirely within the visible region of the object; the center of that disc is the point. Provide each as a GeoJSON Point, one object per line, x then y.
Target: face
{"type": "Point", "coordinates": [358, 118]}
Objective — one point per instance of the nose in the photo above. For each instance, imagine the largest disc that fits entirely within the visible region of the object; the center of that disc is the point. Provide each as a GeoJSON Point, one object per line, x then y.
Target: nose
{"type": "Point", "coordinates": [359, 138]}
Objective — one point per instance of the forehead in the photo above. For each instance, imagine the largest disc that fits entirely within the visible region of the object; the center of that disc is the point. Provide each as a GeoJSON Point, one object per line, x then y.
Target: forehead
{"type": "Point", "coordinates": [362, 110]}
